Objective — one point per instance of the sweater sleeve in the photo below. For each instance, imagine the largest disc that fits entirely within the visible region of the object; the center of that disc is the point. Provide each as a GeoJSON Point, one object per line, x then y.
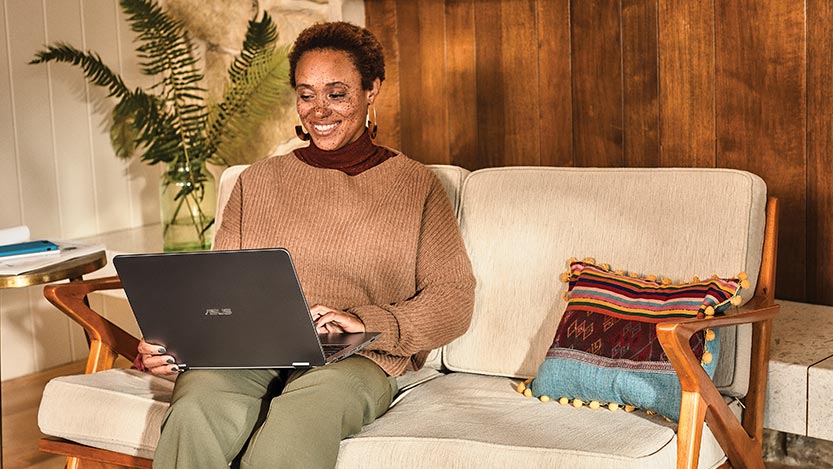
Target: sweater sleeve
{"type": "Point", "coordinates": [441, 309]}
{"type": "Point", "coordinates": [229, 233]}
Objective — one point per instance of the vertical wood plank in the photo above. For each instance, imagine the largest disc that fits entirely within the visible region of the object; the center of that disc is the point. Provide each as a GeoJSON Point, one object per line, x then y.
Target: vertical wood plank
{"type": "Point", "coordinates": [112, 191]}
{"type": "Point", "coordinates": [507, 83]}
{"type": "Point", "coordinates": [30, 87]}
{"type": "Point", "coordinates": [761, 115]}
{"type": "Point", "coordinates": [71, 153]}
{"type": "Point", "coordinates": [51, 331]}
{"type": "Point", "coordinates": [640, 68]}
{"type": "Point", "coordinates": [422, 80]}
{"type": "Point", "coordinates": [410, 69]}
{"type": "Point", "coordinates": [433, 144]}
{"type": "Point", "coordinates": [143, 179]}
{"type": "Point", "coordinates": [70, 117]}
{"type": "Point", "coordinates": [381, 19]}
{"type": "Point", "coordinates": [555, 83]}
{"type": "Point", "coordinates": [686, 90]}
{"type": "Point", "coordinates": [819, 152]}
{"type": "Point", "coordinates": [520, 67]}
{"type": "Point", "coordinates": [10, 211]}
{"type": "Point", "coordinates": [461, 82]}
{"type": "Point", "coordinates": [16, 334]}
{"type": "Point", "coordinates": [491, 123]}
{"type": "Point", "coordinates": [597, 84]}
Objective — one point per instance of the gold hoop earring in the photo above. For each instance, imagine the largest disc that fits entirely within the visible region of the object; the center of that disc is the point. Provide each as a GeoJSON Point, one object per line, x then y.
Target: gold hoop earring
{"type": "Point", "coordinates": [299, 131]}
{"type": "Point", "coordinates": [371, 124]}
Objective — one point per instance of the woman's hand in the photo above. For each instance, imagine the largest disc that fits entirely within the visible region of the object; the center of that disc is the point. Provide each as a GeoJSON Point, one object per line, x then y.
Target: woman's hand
{"type": "Point", "coordinates": [154, 360]}
{"type": "Point", "coordinates": [332, 320]}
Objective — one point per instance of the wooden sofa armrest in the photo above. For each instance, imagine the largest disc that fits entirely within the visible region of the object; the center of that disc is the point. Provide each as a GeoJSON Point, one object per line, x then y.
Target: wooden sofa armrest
{"type": "Point", "coordinates": [107, 340]}
{"type": "Point", "coordinates": [702, 401]}
{"type": "Point", "coordinates": [742, 442]}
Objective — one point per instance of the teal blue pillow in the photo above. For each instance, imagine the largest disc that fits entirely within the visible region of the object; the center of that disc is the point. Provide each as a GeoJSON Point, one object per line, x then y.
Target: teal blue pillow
{"type": "Point", "coordinates": [606, 352]}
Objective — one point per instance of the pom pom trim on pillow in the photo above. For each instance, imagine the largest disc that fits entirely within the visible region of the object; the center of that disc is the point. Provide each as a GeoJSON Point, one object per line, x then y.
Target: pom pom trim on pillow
{"type": "Point", "coordinates": [605, 352]}
{"type": "Point", "coordinates": [593, 288]}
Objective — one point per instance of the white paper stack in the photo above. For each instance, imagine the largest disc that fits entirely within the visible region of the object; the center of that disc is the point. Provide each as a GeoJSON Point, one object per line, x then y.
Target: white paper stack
{"type": "Point", "coordinates": [15, 234]}
{"type": "Point", "coordinates": [16, 265]}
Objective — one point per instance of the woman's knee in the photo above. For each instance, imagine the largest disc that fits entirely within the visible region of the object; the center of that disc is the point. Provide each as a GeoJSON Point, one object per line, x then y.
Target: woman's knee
{"type": "Point", "coordinates": [355, 385]}
{"type": "Point", "coordinates": [207, 395]}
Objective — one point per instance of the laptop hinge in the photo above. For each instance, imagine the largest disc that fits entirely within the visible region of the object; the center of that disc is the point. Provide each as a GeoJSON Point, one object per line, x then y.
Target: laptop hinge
{"type": "Point", "coordinates": [299, 364]}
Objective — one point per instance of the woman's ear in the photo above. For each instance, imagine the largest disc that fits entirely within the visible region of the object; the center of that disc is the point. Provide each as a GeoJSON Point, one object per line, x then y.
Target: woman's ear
{"type": "Point", "coordinates": [374, 91]}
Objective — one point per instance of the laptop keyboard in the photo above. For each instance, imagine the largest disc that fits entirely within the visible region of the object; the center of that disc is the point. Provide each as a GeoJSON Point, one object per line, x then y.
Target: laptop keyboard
{"type": "Point", "coordinates": [330, 349]}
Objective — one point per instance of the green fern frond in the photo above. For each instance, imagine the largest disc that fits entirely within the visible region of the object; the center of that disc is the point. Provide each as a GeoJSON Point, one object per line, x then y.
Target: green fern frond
{"type": "Point", "coordinates": [169, 121]}
{"type": "Point", "coordinates": [257, 86]}
{"type": "Point", "coordinates": [259, 101]}
{"type": "Point", "coordinates": [167, 51]}
{"type": "Point", "coordinates": [94, 69]}
{"type": "Point", "coordinates": [164, 45]}
{"type": "Point", "coordinates": [136, 119]}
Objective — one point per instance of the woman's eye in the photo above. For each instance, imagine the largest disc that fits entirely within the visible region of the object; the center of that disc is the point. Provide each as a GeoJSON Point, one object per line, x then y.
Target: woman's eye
{"type": "Point", "coordinates": [337, 95]}
{"type": "Point", "coordinates": [305, 97]}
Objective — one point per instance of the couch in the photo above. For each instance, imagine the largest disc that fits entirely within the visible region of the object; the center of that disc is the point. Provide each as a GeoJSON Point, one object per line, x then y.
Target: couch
{"type": "Point", "coordinates": [464, 409]}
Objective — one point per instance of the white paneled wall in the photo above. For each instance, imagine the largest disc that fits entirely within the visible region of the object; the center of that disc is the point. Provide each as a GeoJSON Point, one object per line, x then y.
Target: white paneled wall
{"type": "Point", "coordinates": [58, 172]}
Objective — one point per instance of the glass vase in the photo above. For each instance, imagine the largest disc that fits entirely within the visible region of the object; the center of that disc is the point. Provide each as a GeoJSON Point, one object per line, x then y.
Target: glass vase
{"type": "Point", "coordinates": [188, 200]}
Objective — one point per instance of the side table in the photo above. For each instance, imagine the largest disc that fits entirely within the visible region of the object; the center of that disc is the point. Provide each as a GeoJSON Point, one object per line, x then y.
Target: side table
{"type": "Point", "coordinates": [72, 269]}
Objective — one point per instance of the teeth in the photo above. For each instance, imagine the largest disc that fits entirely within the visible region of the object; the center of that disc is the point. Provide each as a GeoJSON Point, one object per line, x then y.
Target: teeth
{"type": "Point", "coordinates": [324, 128]}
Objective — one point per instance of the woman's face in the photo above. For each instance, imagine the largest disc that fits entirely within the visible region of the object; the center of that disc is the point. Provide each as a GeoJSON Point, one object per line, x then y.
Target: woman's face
{"type": "Point", "coordinates": [330, 100]}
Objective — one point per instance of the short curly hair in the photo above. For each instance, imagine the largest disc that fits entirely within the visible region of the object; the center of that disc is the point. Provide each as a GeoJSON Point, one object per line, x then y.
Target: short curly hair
{"type": "Point", "coordinates": [359, 43]}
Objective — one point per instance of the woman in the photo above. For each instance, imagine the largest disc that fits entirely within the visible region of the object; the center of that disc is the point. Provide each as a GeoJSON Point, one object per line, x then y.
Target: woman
{"type": "Point", "coordinates": [377, 248]}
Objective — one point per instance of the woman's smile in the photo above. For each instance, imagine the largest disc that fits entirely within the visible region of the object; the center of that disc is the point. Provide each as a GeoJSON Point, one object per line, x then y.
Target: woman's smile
{"type": "Point", "coordinates": [324, 130]}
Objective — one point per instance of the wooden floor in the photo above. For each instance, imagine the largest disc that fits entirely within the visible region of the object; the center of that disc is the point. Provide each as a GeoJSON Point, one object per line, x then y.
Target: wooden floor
{"type": "Point", "coordinates": [21, 398]}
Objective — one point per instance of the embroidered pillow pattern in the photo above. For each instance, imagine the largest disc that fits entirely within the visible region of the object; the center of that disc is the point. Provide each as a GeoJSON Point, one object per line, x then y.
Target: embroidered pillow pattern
{"type": "Point", "coordinates": [606, 352]}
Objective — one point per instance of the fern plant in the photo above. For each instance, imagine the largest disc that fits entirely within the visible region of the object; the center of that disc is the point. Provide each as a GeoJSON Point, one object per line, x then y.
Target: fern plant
{"type": "Point", "coordinates": [171, 121]}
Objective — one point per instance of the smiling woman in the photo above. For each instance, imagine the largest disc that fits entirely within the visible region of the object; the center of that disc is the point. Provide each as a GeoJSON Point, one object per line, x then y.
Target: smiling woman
{"type": "Point", "coordinates": [376, 247]}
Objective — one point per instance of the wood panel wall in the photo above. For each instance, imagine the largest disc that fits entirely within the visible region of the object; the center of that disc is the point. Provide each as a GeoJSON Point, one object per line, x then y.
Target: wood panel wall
{"type": "Point", "coordinates": [694, 83]}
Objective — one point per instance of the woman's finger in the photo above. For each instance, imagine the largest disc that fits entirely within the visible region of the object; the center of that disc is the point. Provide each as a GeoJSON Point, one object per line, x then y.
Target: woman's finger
{"type": "Point", "coordinates": [164, 370]}
{"type": "Point", "coordinates": [150, 349]}
{"type": "Point", "coordinates": [339, 321]}
{"type": "Point", "coordinates": [153, 361]}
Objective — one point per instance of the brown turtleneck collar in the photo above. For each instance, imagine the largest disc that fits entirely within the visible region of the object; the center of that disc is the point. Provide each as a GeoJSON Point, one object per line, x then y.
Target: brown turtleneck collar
{"type": "Point", "coordinates": [351, 159]}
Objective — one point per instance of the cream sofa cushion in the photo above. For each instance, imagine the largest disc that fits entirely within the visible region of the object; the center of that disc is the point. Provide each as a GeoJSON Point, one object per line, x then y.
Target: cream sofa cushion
{"type": "Point", "coordinates": [521, 225]}
{"type": "Point", "coordinates": [469, 421]}
{"type": "Point", "coordinates": [119, 410]}
{"type": "Point", "coordinates": [457, 420]}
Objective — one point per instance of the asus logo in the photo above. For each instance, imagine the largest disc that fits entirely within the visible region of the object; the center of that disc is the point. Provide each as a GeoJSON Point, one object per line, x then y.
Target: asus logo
{"type": "Point", "coordinates": [218, 312]}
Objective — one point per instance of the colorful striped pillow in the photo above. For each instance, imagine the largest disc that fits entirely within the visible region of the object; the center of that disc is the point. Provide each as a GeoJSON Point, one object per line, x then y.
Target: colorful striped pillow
{"type": "Point", "coordinates": [605, 351]}
{"type": "Point", "coordinates": [597, 290]}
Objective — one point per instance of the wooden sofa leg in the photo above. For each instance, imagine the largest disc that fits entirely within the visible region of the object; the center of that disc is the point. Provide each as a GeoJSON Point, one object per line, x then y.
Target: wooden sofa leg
{"type": "Point", "coordinates": [77, 463]}
{"type": "Point", "coordinates": [690, 430]}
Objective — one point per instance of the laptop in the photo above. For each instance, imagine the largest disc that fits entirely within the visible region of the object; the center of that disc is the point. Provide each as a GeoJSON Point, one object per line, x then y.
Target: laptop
{"type": "Point", "coordinates": [229, 309]}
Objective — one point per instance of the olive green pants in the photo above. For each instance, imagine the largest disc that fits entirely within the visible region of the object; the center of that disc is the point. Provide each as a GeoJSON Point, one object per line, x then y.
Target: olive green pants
{"type": "Point", "coordinates": [270, 419]}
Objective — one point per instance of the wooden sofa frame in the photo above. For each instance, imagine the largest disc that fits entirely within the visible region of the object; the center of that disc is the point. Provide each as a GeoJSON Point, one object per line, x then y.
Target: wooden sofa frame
{"type": "Point", "coordinates": [701, 401]}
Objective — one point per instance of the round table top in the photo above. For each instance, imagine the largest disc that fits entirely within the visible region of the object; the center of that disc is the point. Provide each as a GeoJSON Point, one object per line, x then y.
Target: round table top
{"type": "Point", "coordinates": [69, 269]}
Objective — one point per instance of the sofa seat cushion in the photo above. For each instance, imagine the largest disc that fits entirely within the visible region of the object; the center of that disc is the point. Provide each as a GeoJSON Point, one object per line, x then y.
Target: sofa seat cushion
{"type": "Point", "coordinates": [122, 410]}
{"type": "Point", "coordinates": [468, 420]}
{"type": "Point", "coordinates": [118, 410]}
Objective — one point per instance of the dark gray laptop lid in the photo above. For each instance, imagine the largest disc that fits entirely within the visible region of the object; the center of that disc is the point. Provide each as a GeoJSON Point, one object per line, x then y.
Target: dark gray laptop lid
{"type": "Point", "coordinates": [222, 309]}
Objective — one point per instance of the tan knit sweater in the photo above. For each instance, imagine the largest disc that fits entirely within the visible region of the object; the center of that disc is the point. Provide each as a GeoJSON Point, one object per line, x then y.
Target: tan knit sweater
{"type": "Point", "coordinates": [383, 245]}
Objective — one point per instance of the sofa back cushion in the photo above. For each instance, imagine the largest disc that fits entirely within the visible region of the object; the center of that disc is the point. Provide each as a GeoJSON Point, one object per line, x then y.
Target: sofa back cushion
{"type": "Point", "coordinates": [522, 224]}
{"type": "Point", "coordinates": [227, 181]}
